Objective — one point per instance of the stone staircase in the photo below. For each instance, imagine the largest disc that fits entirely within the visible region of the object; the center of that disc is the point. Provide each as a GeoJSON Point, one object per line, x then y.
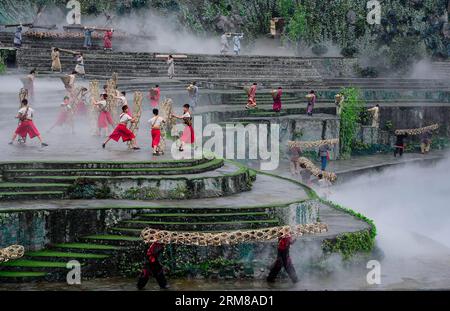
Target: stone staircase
{"type": "Point", "coordinates": [204, 68]}
{"type": "Point", "coordinates": [442, 69]}
{"type": "Point", "coordinates": [56, 180]}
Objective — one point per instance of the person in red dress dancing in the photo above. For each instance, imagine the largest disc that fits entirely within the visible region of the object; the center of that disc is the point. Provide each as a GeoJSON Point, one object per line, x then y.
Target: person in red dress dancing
{"type": "Point", "coordinates": [283, 260]}
{"type": "Point", "coordinates": [156, 123]}
{"type": "Point", "coordinates": [26, 125]}
{"type": "Point", "coordinates": [122, 131]}
{"type": "Point", "coordinates": [188, 136]}
{"type": "Point", "coordinates": [251, 100]}
{"type": "Point", "coordinates": [104, 118]}
{"type": "Point", "coordinates": [65, 115]}
{"type": "Point", "coordinates": [277, 100]}
{"type": "Point", "coordinates": [107, 40]}
{"type": "Point", "coordinates": [155, 95]}
{"type": "Point", "coordinates": [81, 108]}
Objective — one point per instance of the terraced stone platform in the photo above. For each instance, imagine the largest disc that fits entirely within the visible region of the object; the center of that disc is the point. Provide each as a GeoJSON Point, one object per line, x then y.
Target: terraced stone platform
{"type": "Point", "coordinates": [132, 180]}
{"type": "Point", "coordinates": [113, 249]}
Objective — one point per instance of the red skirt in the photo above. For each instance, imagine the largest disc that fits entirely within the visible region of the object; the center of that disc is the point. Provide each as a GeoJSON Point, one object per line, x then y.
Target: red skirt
{"type": "Point", "coordinates": [188, 136]}
{"type": "Point", "coordinates": [156, 137]}
{"type": "Point", "coordinates": [62, 118]}
{"type": "Point", "coordinates": [104, 119]}
{"type": "Point", "coordinates": [81, 109]}
{"type": "Point", "coordinates": [27, 127]}
{"type": "Point", "coordinates": [122, 131]}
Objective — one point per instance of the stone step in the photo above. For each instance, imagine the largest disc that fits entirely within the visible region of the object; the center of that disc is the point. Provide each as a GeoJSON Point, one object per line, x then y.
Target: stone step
{"type": "Point", "coordinates": [87, 248]}
{"type": "Point", "coordinates": [32, 195]}
{"type": "Point", "coordinates": [22, 276]}
{"type": "Point", "coordinates": [203, 217]}
{"type": "Point", "coordinates": [52, 255]}
{"type": "Point", "coordinates": [28, 187]}
{"type": "Point", "coordinates": [200, 226]}
{"type": "Point", "coordinates": [112, 239]}
{"type": "Point", "coordinates": [103, 164]}
{"type": "Point", "coordinates": [201, 168]}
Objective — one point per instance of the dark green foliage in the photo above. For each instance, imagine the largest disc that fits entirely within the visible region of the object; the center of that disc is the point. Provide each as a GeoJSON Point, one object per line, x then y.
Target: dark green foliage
{"type": "Point", "coordinates": [349, 51]}
{"type": "Point", "coordinates": [350, 117]}
{"type": "Point", "coordinates": [361, 149]}
{"type": "Point", "coordinates": [84, 188]}
{"type": "Point", "coordinates": [368, 72]}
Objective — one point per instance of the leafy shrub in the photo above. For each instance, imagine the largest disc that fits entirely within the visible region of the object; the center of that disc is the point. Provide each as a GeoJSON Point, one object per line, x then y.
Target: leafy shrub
{"type": "Point", "coordinates": [368, 72]}
{"type": "Point", "coordinates": [349, 51]}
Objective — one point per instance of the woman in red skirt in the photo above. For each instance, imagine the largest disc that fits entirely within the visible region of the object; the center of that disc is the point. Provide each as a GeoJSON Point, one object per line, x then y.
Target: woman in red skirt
{"type": "Point", "coordinates": [188, 136]}
{"type": "Point", "coordinates": [104, 118]}
{"type": "Point", "coordinates": [65, 115]}
{"type": "Point", "coordinates": [122, 131]}
{"type": "Point", "coordinates": [155, 124]}
{"type": "Point", "coordinates": [81, 108]}
{"type": "Point", "coordinates": [26, 125]}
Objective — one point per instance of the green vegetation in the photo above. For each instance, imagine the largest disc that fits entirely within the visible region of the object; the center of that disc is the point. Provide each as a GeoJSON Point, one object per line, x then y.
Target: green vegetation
{"type": "Point", "coordinates": [87, 246]}
{"type": "Point", "coordinates": [26, 263]}
{"type": "Point", "coordinates": [348, 244]}
{"type": "Point", "coordinates": [21, 274]}
{"type": "Point", "coordinates": [113, 238]}
{"type": "Point", "coordinates": [350, 117]}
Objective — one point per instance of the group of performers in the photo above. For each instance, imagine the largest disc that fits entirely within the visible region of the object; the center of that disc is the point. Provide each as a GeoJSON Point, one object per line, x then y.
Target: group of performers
{"type": "Point", "coordinates": [237, 37]}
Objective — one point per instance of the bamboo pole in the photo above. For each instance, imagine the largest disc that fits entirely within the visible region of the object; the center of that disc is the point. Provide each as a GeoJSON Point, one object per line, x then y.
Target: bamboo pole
{"type": "Point", "coordinates": [93, 112]}
{"type": "Point", "coordinates": [137, 113]}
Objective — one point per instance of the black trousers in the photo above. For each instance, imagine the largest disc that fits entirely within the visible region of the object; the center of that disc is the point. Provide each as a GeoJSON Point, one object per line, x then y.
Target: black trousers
{"type": "Point", "coordinates": [283, 260]}
{"type": "Point", "coordinates": [398, 150]}
{"type": "Point", "coordinates": [156, 270]}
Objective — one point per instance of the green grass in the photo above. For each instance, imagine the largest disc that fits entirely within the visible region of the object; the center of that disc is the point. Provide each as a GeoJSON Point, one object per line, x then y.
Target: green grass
{"type": "Point", "coordinates": [88, 246]}
{"type": "Point", "coordinates": [29, 263]}
{"type": "Point", "coordinates": [21, 274]}
{"type": "Point", "coordinates": [47, 253]}
{"type": "Point", "coordinates": [113, 237]}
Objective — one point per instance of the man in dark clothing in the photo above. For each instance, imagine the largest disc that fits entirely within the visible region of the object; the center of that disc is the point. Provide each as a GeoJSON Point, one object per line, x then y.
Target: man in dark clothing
{"type": "Point", "coordinates": [153, 267]}
{"type": "Point", "coordinates": [399, 146]}
{"type": "Point", "coordinates": [283, 260]}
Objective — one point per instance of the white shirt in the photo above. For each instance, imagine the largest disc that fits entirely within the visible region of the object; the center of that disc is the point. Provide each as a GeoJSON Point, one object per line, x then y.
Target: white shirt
{"type": "Point", "coordinates": [186, 115]}
{"type": "Point", "coordinates": [29, 112]}
{"type": "Point", "coordinates": [124, 100]}
{"type": "Point", "coordinates": [102, 105]}
{"type": "Point", "coordinates": [125, 118]}
{"type": "Point", "coordinates": [156, 121]}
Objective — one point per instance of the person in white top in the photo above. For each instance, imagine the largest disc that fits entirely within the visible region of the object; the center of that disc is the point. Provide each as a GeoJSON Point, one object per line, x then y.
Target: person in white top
{"type": "Point", "coordinates": [156, 122]}
{"type": "Point", "coordinates": [188, 136]}
{"type": "Point", "coordinates": [375, 115]}
{"type": "Point", "coordinates": [122, 130]}
{"type": "Point", "coordinates": [26, 125]}
{"type": "Point", "coordinates": [104, 118]}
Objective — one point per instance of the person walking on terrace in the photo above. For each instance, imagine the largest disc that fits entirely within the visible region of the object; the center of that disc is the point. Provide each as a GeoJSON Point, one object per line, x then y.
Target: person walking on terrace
{"type": "Point", "coordinates": [311, 102]}
{"type": "Point", "coordinates": [224, 43]}
{"type": "Point", "coordinates": [18, 37]}
{"type": "Point", "coordinates": [283, 260]}
{"type": "Point", "coordinates": [171, 68]}
{"type": "Point", "coordinates": [399, 146]}
{"type": "Point", "coordinates": [324, 154]}
{"type": "Point", "coordinates": [88, 37]}
{"type": "Point", "coordinates": [425, 142]}
{"type": "Point", "coordinates": [193, 95]}
{"type": "Point", "coordinates": [251, 100]}
{"type": "Point", "coordinates": [155, 123]}
{"type": "Point", "coordinates": [153, 267]}
{"type": "Point", "coordinates": [295, 152]}
{"type": "Point", "coordinates": [188, 136]}
{"type": "Point", "coordinates": [26, 125]}
{"type": "Point", "coordinates": [107, 40]}
{"type": "Point", "coordinates": [122, 130]}
{"type": "Point", "coordinates": [56, 61]}
{"type": "Point", "coordinates": [277, 99]}
{"type": "Point", "coordinates": [237, 43]}
{"type": "Point", "coordinates": [375, 111]}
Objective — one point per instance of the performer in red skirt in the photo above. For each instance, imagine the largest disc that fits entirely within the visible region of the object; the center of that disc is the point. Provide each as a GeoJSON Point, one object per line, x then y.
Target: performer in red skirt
{"type": "Point", "coordinates": [81, 108]}
{"type": "Point", "coordinates": [122, 131]}
{"type": "Point", "coordinates": [188, 136]}
{"type": "Point", "coordinates": [65, 115]}
{"type": "Point", "coordinates": [154, 96]}
{"type": "Point", "coordinates": [104, 118]}
{"type": "Point", "coordinates": [26, 125]}
{"type": "Point", "coordinates": [155, 124]}
{"type": "Point", "coordinates": [277, 99]}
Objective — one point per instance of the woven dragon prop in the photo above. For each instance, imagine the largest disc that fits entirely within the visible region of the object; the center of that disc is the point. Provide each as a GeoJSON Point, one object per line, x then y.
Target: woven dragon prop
{"type": "Point", "coordinates": [137, 112]}
{"type": "Point", "coordinates": [150, 235]}
{"type": "Point", "coordinates": [316, 171]}
{"type": "Point", "coordinates": [417, 131]}
{"type": "Point", "coordinates": [313, 144]}
{"type": "Point", "coordinates": [11, 253]}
